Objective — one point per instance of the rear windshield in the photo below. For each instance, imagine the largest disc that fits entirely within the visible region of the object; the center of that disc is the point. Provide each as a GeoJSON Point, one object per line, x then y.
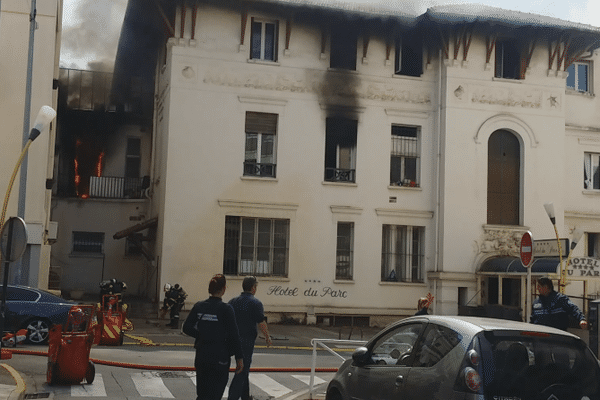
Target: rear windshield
{"type": "Point", "coordinates": [520, 365]}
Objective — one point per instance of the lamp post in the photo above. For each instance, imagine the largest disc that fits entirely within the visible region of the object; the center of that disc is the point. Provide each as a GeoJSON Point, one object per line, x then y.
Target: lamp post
{"type": "Point", "coordinates": [562, 281]}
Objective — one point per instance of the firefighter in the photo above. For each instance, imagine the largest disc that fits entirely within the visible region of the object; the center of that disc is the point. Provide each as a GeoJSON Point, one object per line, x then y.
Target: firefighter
{"type": "Point", "coordinates": [174, 300]}
{"type": "Point", "coordinates": [113, 287]}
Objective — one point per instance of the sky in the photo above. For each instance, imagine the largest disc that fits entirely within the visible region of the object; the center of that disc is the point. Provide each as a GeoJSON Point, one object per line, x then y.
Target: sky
{"type": "Point", "coordinates": [91, 27]}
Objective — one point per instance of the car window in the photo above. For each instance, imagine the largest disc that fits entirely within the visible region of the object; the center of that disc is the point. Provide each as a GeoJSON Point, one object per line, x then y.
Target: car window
{"type": "Point", "coordinates": [18, 294]}
{"type": "Point", "coordinates": [437, 342]}
{"type": "Point", "coordinates": [524, 366]}
{"type": "Point", "coordinates": [395, 347]}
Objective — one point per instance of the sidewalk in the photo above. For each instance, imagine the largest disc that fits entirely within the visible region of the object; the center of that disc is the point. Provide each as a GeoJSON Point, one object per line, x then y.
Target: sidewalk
{"type": "Point", "coordinates": [12, 386]}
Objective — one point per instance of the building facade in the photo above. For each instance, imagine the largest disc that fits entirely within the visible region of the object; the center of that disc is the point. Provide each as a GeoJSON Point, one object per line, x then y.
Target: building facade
{"type": "Point", "coordinates": [356, 159]}
{"type": "Point", "coordinates": [17, 42]}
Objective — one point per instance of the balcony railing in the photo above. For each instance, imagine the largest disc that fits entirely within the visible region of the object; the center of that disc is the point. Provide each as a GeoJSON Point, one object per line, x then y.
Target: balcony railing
{"type": "Point", "coordinates": [111, 187]}
{"type": "Point", "coordinates": [340, 175]}
{"type": "Point", "coordinates": [259, 169]}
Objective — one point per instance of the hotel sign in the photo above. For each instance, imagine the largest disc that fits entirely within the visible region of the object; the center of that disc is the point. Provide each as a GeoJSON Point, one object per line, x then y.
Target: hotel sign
{"type": "Point", "coordinates": [549, 248]}
{"type": "Point", "coordinates": [583, 267]}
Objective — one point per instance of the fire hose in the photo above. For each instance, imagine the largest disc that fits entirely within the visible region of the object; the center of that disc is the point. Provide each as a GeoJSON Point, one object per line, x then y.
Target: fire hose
{"type": "Point", "coordinates": [168, 367]}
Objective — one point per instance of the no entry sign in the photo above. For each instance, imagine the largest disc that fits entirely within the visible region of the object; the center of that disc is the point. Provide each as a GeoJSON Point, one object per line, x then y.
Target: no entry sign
{"type": "Point", "coordinates": [526, 249]}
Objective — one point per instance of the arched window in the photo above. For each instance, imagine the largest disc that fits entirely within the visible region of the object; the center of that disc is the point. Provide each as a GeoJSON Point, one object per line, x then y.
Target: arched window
{"type": "Point", "coordinates": [504, 178]}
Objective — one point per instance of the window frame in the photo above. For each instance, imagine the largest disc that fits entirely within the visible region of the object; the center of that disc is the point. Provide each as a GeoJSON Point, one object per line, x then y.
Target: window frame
{"type": "Point", "coordinates": [340, 133]}
{"type": "Point", "coordinates": [589, 76]}
{"type": "Point", "coordinates": [415, 43]}
{"type": "Point", "coordinates": [399, 141]}
{"type": "Point", "coordinates": [257, 168]}
{"type": "Point", "coordinates": [344, 255]}
{"type": "Point", "coordinates": [505, 53]}
{"type": "Point", "coordinates": [234, 242]}
{"type": "Point", "coordinates": [402, 264]}
{"type": "Point", "coordinates": [263, 35]}
{"type": "Point", "coordinates": [343, 54]}
{"type": "Point", "coordinates": [133, 157]}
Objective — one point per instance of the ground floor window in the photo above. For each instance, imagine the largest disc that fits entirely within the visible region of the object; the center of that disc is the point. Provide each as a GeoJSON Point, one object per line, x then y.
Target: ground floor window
{"type": "Point", "coordinates": [88, 242]}
{"type": "Point", "coordinates": [256, 246]}
{"type": "Point", "coordinates": [402, 253]}
{"type": "Point", "coordinates": [344, 251]}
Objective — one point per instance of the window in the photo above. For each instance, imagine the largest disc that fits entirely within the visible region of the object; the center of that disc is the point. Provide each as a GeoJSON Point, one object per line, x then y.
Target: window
{"type": "Point", "coordinates": [402, 253]}
{"type": "Point", "coordinates": [256, 246]}
{"type": "Point", "coordinates": [591, 171]}
{"type": "Point", "coordinates": [343, 48]}
{"type": "Point", "coordinates": [260, 144]}
{"type": "Point", "coordinates": [593, 245]}
{"type": "Point", "coordinates": [508, 59]}
{"type": "Point", "coordinates": [394, 348]}
{"type": "Point", "coordinates": [405, 156]}
{"type": "Point", "coordinates": [340, 150]}
{"type": "Point", "coordinates": [578, 78]}
{"type": "Point", "coordinates": [88, 242]}
{"type": "Point", "coordinates": [409, 54]}
{"type": "Point", "coordinates": [133, 158]}
{"type": "Point", "coordinates": [133, 244]}
{"type": "Point", "coordinates": [436, 343]}
{"type": "Point", "coordinates": [504, 179]}
{"type": "Point", "coordinates": [263, 45]}
{"type": "Point", "coordinates": [344, 250]}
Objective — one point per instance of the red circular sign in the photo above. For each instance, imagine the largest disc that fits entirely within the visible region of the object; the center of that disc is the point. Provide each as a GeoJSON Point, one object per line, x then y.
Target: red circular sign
{"type": "Point", "coordinates": [526, 249]}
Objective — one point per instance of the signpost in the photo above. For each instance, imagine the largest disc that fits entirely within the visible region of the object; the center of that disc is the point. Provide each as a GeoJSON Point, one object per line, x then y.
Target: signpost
{"type": "Point", "coordinates": [526, 253]}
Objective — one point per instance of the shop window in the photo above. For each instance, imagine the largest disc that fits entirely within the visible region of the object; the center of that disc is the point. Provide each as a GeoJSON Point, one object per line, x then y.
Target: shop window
{"type": "Point", "coordinates": [402, 253]}
{"type": "Point", "coordinates": [256, 246]}
{"type": "Point", "coordinates": [261, 129]}
{"type": "Point", "coordinates": [344, 251]}
{"type": "Point", "coordinates": [404, 163]}
{"type": "Point", "coordinates": [504, 179]}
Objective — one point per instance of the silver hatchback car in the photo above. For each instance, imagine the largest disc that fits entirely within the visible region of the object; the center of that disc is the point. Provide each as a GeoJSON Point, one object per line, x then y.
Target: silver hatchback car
{"type": "Point", "coordinates": [443, 357]}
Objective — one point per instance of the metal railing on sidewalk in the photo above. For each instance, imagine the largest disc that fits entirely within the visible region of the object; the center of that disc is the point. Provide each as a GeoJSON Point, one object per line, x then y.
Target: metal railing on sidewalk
{"type": "Point", "coordinates": [323, 343]}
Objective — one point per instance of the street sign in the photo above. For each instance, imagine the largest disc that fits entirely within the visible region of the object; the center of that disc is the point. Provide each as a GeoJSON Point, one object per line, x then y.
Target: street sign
{"type": "Point", "coordinates": [549, 247]}
{"type": "Point", "coordinates": [526, 249]}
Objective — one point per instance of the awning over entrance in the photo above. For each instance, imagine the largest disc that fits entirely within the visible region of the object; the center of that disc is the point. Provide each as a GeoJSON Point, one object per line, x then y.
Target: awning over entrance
{"type": "Point", "coordinates": [512, 265]}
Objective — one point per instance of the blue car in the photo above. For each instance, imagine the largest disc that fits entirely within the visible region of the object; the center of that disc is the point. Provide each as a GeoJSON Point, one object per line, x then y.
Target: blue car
{"type": "Point", "coordinates": [35, 310]}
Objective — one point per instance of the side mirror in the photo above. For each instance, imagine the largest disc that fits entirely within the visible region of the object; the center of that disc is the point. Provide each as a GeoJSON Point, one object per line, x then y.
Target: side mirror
{"type": "Point", "coordinates": [361, 356]}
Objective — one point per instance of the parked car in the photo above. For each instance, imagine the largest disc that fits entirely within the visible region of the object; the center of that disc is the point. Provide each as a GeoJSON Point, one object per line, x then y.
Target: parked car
{"type": "Point", "coordinates": [443, 357]}
{"type": "Point", "coordinates": [35, 310]}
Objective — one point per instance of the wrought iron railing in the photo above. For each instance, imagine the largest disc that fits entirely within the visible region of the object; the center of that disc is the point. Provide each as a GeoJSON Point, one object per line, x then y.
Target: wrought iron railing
{"type": "Point", "coordinates": [340, 175]}
{"type": "Point", "coordinates": [111, 187]}
{"type": "Point", "coordinates": [259, 169]}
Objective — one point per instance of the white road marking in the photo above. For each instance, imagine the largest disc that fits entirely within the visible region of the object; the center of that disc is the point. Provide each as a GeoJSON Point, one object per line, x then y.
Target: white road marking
{"type": "Point", "coordinates": [268, 385]}
{"type": "Point", "coordinates": [95, 389]}
{"type": "Point", "coordinates": [149, 384]}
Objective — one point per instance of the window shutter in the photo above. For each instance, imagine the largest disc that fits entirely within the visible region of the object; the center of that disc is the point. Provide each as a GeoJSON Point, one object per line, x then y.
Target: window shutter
{"type": "Point", "coordinates": [261, 122]}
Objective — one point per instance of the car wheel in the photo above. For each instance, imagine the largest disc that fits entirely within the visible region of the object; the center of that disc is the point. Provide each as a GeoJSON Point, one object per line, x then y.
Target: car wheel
{"type": "Point", "coordinates": [38, 331]}
{"type": "Point", "coordinates": [333, 395]}
{"type": "Point", "coordinates": [90, 374]}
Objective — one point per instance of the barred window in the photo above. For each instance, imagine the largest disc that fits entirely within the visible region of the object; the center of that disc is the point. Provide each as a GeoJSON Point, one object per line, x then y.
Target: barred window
{"type": "Point", "coordinates": [404, 164]}
{"type": "Point", "coordinates": [256, 246]}
{"type": "Point", "coordinates": [344, 251]}
{"type": "Point", "coordinates": [402, 253]}
{"type": "Point", "coordinates": [88, 242]}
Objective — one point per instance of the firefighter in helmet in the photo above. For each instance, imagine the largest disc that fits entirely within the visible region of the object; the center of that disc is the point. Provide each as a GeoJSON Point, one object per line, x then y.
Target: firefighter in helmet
{"type": "Point", "coordinates": [174, 300]}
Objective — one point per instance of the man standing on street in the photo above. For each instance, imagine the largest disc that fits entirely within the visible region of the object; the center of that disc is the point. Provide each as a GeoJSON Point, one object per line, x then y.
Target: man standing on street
{"type": "Point", "coordinates": [553, 308]}
{"type": "Point", "coordinates": [249, 312]}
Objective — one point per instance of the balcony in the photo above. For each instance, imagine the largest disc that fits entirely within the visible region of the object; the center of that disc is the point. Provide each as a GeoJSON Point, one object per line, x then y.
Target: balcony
{"type": "Point", "coordinates": [111, 187]}
{"type": "Point", "coordinates": [340, 175]}
{"type": "Point", "coordinates": [264, 170]}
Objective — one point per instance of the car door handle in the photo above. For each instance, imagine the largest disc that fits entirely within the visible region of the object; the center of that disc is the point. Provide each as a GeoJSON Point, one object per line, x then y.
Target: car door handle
{"type": "Point", "coordinates": [399, 380]}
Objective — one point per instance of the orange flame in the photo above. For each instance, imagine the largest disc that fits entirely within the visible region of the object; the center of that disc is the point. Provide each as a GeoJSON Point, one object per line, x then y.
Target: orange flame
{"type": "Point", "coordinates": [99, 164]}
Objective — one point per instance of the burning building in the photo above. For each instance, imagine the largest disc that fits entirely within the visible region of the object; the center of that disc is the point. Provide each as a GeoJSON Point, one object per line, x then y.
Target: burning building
{"type": "Point", "coordinates": [356, 158]}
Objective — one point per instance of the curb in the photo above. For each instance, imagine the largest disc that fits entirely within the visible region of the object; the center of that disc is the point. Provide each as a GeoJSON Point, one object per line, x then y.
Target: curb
{"type": "Point", "coordinates": [19, 392]}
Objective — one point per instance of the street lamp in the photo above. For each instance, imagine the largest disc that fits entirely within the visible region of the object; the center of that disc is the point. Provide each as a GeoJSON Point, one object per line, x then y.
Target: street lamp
{"type": "Point", "coordinates": [563, 272]}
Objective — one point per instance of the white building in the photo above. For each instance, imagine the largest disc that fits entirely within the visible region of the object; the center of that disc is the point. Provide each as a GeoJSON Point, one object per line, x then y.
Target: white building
{"type": "Point", "coordinates": [15, 45]}
{"type": "Point", "coordinates": [356, 159]}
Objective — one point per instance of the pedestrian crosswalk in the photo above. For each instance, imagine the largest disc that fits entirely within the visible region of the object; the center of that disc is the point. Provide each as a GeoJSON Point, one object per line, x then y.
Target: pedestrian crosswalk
{"type": "Point", "coordinates": [173, 385]}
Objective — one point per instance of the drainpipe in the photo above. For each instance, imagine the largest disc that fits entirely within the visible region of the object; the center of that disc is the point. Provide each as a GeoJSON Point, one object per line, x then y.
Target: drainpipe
{"type": "Point", "coordinates": [439, 168]}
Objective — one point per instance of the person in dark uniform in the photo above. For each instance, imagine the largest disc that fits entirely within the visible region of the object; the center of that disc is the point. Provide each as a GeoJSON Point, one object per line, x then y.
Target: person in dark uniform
{"type": "Point", "coordinates": [174, 300]}
{"type": "Point", "coordinates": [212, 323]}
{"type": "Point", "coordinates": [249, 312]}
{"type": "Point", "coordinates": [553, 309]}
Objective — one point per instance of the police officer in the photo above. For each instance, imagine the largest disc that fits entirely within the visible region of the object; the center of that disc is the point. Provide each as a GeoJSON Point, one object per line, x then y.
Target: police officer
{"type": "Point", "coordinates": [212, 323]}
{"type": "Point", "coordinates": [174, 300]}
{"type": "Point", "coordinates": [553, 309]}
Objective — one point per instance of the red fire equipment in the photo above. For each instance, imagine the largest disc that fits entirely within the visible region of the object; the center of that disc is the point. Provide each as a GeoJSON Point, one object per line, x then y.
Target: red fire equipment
{"type": "Point", "coordinates": [69, 348]}
{"type": "Point", "coordinates": [112, 320]}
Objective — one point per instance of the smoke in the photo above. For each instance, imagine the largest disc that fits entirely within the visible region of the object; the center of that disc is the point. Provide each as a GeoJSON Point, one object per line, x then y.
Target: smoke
{"type": "Point", "coordinates": [90, 34]}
